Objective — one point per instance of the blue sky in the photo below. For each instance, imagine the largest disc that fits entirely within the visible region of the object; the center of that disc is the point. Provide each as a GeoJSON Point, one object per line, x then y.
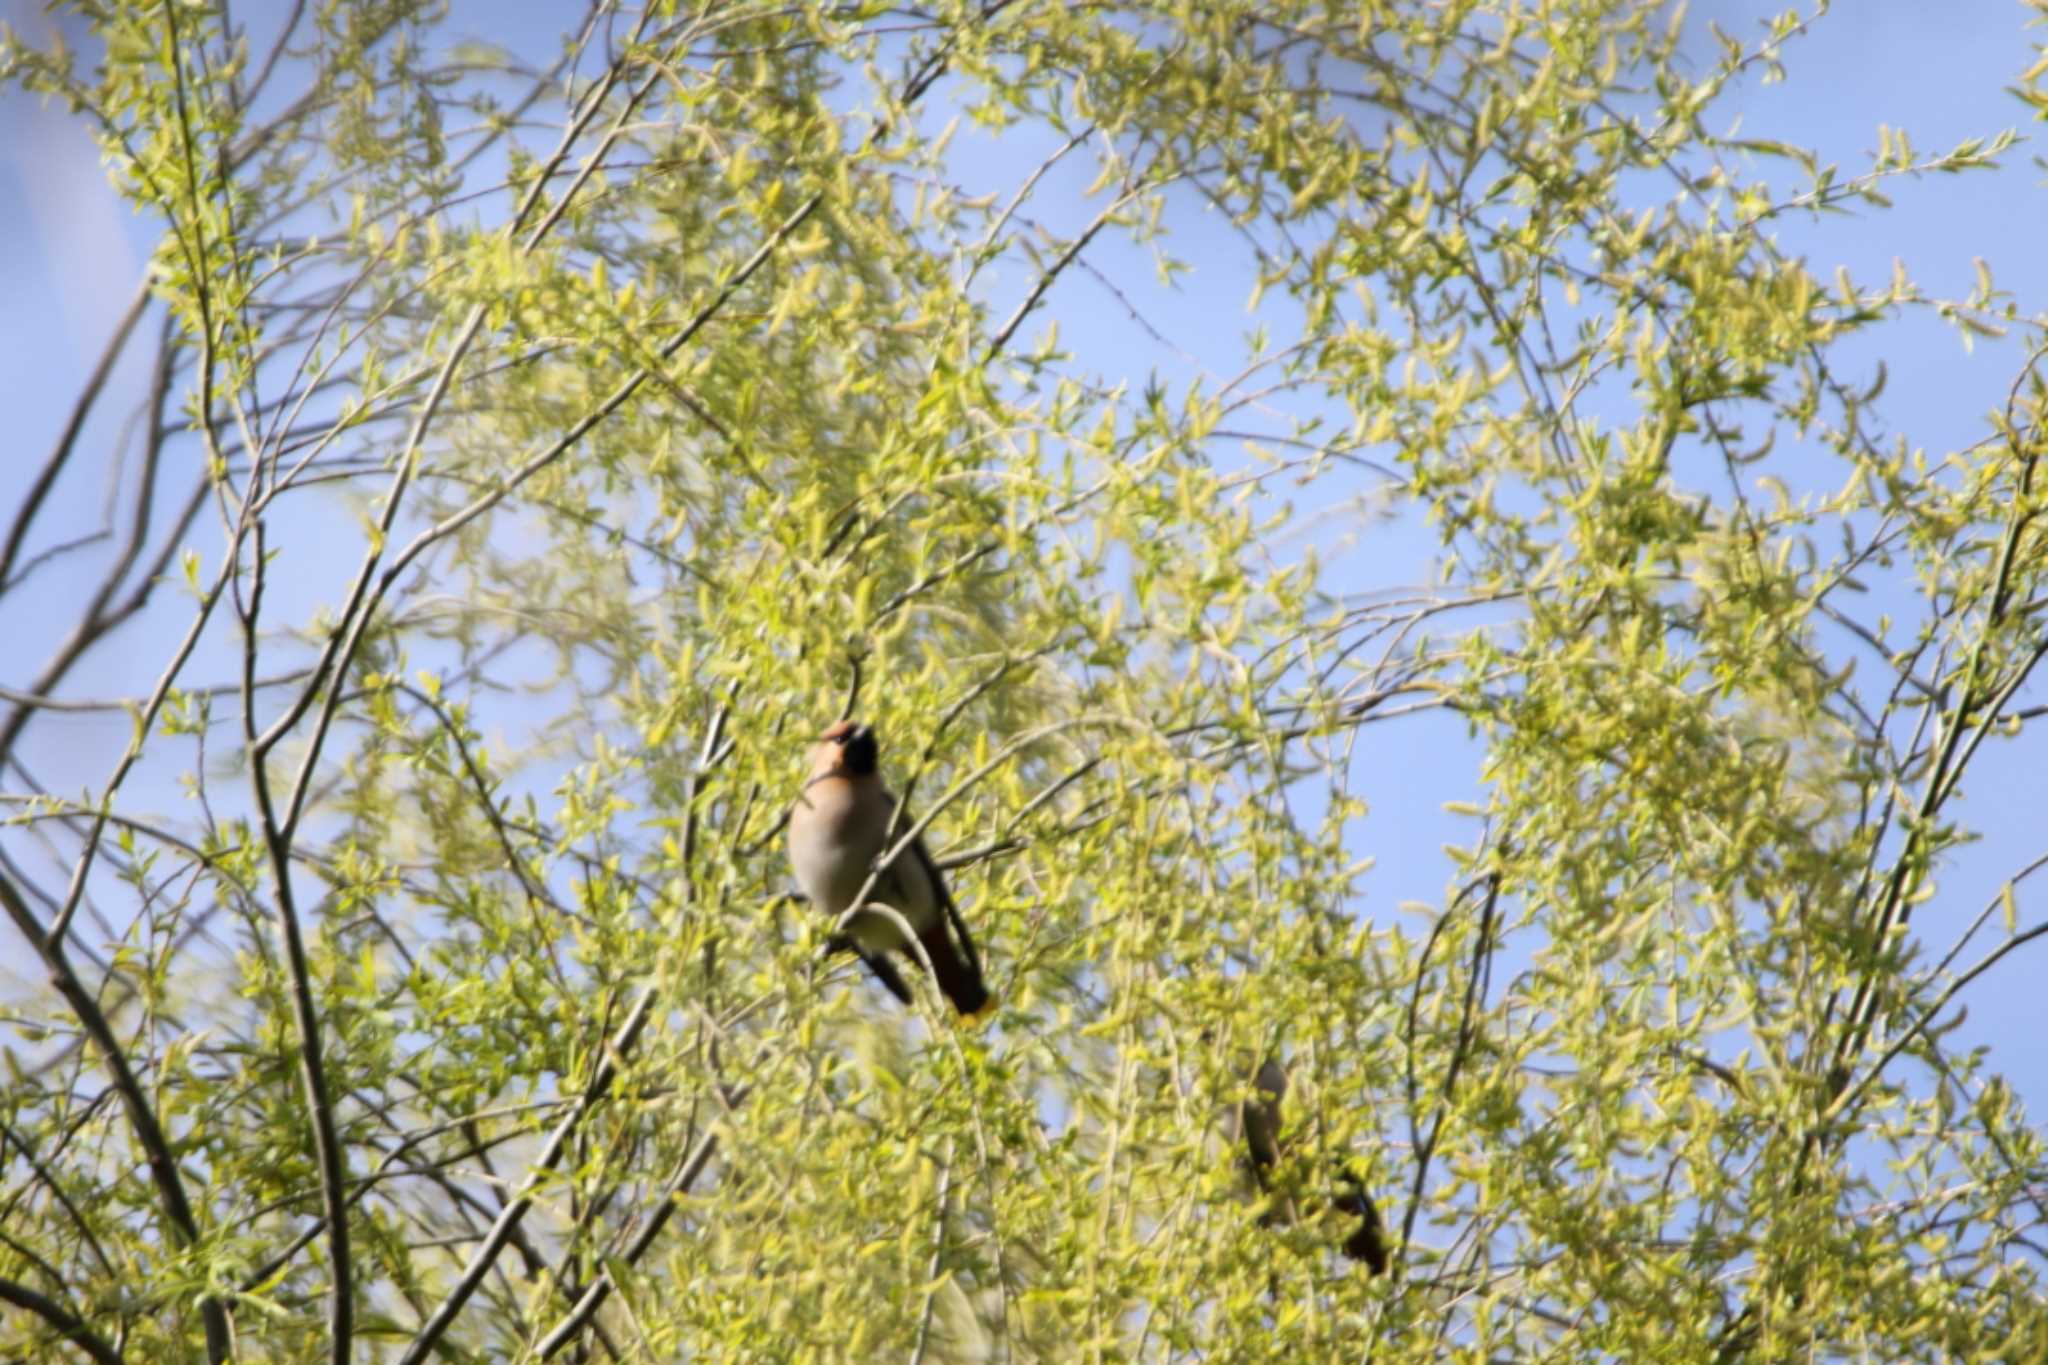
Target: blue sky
{"type": "Point", "coordinates": [73, 256]}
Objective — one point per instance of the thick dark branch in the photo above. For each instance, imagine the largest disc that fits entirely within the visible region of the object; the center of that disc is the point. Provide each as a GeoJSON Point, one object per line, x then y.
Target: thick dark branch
{"type": "Point", "coordinates": [305, 1010]}
{"type": "Point", "coordinates": [149, 1134]}
{"type": "Point", "coordinates": [72, 1329]}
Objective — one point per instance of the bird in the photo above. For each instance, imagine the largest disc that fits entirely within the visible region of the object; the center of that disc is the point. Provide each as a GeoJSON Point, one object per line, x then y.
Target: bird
{"type": "Point", "coordinates": [1259, 1117]}
{"type": "Point", "coordinates": [844, 819]}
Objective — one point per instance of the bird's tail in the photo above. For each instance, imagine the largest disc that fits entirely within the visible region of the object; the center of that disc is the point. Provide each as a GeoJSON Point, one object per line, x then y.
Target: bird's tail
{"type": "Point", "coordinates": [1368, 1242]}
{"type": "Point", "coordinates": [958, 977]}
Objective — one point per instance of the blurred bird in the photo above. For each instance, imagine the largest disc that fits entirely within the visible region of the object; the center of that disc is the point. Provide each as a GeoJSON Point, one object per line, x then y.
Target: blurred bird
{"type": "Point", "coordinates": [845, 819]}
{"type": "Point", "coordinates": [1260, 1119]}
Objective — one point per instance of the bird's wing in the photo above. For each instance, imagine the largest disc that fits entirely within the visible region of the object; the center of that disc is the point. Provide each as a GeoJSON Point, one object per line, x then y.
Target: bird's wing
{"type": "Point", "coordinates": [944, 896]}
{"type": "Point", "coordinates": [886, 973]}
{"type": "Point", "coordinates": [878, 963]}
{"type": "Point", "coordinates": [922, 882]}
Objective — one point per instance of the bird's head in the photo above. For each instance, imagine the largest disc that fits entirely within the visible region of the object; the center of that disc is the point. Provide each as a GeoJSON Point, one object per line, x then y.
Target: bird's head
{"type": "Point", "coordinates": [848, 747]}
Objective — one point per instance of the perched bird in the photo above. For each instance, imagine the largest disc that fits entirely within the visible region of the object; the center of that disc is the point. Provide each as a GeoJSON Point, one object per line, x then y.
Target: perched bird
{"type": "Point", "coordinates": [1260, 1119]}
{"type": "Point", "coordinates": [1367, 1242]}
{"type": "Point", "coordinates": [845, 819]}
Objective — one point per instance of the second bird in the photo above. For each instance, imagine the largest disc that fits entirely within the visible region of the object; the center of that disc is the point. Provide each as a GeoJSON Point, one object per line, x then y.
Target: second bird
{"type": "Point", "coordinates": [1261, 1120]}
{"type": "Point", "coordinates": [845, 819]}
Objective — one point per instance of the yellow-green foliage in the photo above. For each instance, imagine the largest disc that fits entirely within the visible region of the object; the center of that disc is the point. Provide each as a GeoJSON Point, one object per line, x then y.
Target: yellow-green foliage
{"type": "Point", "coordinates": [573, 443]}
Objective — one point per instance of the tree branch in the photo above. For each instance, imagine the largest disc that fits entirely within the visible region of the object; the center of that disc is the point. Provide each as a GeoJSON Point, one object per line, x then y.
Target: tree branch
{"type": "Point", "coordinates": [71, 1327]}
{"type": "Point", "coordinates": [156, 1147]}
{"type": "Point", "coordinates": [480, 1263]}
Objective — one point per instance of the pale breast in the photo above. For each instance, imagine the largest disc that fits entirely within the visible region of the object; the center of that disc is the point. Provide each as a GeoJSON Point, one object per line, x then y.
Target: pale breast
{"type": "Point", "coordinates": [833, 842]}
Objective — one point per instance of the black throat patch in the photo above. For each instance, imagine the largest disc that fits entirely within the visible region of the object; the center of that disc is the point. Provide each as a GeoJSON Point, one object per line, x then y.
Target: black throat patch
{"type": "Point", "coordinates": [862, 752]}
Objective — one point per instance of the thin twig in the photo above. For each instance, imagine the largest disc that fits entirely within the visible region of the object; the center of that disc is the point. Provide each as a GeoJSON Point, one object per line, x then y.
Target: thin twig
{"type": "Point", "coordinates": [424, 1342]}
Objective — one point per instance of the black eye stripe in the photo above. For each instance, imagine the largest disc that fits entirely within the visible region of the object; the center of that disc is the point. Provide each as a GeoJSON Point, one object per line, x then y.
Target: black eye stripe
{"type": "Point", "coordinates": [856, 739]}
